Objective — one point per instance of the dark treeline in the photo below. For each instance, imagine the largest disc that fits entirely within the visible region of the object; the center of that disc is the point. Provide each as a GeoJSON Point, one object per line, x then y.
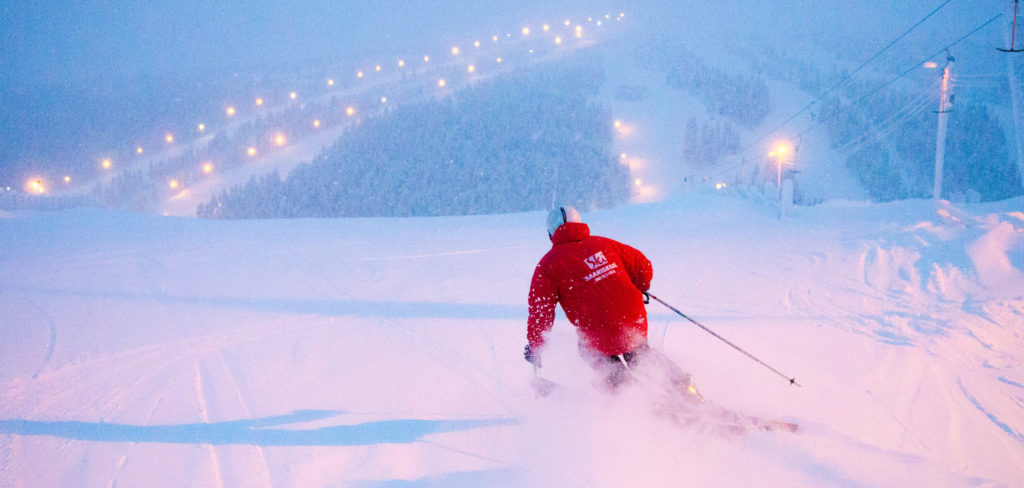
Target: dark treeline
{"type": "Point", "coordinates": [733, 101]}
{"type": "Point", "coordinates": [515, 143]}
{"type": "Point", "coordinates": [707, 143]}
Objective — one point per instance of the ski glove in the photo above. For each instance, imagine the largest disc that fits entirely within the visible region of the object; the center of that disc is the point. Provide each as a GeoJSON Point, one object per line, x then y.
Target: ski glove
{"type": "Point", "coordinates": [531, 356]}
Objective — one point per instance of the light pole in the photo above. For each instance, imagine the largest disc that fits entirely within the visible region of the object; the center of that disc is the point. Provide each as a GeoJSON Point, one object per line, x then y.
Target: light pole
{"type": "Point", "coordinates": [945, 107]}
{"type": "Point", "coordinates": [779, 154]}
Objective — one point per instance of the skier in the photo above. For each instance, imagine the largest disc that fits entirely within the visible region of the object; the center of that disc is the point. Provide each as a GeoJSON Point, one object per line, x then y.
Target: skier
{"type": "Point", "coordinates": [600, 284]}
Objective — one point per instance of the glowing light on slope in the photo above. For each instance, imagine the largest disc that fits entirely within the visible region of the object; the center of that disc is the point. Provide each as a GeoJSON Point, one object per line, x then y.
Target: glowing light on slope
{"type": "Point", "coordinates": [622, 128]}
{"type": "Point", "coordinates": [35, 185]}
{"type": "Point", "coordinates": [782, 148]}
{"type": "Point", "coordinates": [637, 164]}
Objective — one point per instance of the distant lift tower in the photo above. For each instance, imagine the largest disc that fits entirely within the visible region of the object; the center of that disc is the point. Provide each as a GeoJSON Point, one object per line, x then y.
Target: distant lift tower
{"type": "Point", "coordinates": [945, 107]}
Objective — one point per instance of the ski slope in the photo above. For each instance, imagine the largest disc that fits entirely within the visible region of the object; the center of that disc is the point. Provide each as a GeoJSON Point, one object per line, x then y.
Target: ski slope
{"type": "Point", "coordinates": [160, 351]}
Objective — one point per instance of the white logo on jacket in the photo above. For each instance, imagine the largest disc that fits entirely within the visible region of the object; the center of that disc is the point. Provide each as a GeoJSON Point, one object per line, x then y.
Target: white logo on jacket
{"type": "Point", "coordinates": [602, 268]}
{"type": "Point", "coordinates": [596, 261]}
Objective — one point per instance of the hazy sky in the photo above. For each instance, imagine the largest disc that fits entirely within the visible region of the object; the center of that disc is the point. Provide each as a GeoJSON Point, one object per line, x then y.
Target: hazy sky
{"type": "Point", "coordinates": [50, 40]}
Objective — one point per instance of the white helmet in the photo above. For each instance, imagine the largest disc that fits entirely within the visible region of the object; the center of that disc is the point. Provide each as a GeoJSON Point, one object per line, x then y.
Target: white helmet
{"type": "Point", "coordinates": [561, 215]}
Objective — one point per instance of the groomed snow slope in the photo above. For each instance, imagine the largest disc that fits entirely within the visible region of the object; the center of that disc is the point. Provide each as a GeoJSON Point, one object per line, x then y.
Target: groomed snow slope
{"type": "Point", "coordinates": [153, 351]}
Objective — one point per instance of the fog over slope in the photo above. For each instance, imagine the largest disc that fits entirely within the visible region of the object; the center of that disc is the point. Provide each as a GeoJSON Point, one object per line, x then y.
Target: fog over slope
{"type": "Point", "coordinates": [794, 52]}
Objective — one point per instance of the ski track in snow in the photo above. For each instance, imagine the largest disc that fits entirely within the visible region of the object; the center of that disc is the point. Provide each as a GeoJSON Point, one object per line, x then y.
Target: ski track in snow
{"type": "Point", "coordinates": [124, 458]}
{"type": "Point", "coordinates": [454, 361]}
{"type": "Point", "coordinates": [256, 450]}
{"type": "Point", "coordinates": [204, 415]}
{"type": "Point", "coordinates": [51, 344]}
{"type": "Point", "coordinates": [1013, 433]}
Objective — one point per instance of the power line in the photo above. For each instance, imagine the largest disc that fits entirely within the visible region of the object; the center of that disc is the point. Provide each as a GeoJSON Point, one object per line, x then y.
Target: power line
{"type": "Point", "coordinates": [886, 127]}
{"type": "Point", "coordinates": [742, 160]}
{"type": "Point", "coordinates": [848, 77]}
{"type": "Point", "coordinates": [905, 73]}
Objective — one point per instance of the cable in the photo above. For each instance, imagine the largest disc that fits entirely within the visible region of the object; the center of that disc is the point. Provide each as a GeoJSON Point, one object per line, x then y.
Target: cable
{"type": "Point", "coordinates": [739, 155]}
{"type": "Point", "coordinates": [885, 128]}
{"type": "Point", "coordinates": [901, 75]}
{"type": "Point", "coordinates": [848, 77]}
{"type": "Point", "coordinates": [911, 109]}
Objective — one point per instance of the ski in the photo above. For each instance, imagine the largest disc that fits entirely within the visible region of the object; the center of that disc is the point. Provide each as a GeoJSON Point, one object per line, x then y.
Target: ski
{"type": "Point", "coordinates": [715, 420]}
{"type": "Point", "coordinates": [692, 412]}
{"type": "Point", "coordinates": [684, 400]}
{"type": "Point", "coordinates": [543, 387]}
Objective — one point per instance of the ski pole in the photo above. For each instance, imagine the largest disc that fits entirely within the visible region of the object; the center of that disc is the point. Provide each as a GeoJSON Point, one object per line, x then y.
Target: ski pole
{"type": "Point", "coordinates": [792, 381]}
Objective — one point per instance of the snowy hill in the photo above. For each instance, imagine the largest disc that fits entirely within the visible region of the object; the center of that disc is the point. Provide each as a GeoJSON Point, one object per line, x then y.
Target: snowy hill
{"type": "Point", "coordinates": [146, 350]}
{"type": "Point", "coordinates": [155, 351]}
{"type": "Point", "coordinates": [796, 51]}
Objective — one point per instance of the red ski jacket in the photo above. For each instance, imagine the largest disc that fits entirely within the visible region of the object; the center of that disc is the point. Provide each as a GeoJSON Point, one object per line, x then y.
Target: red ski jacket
{"type": "Point", "coordinates": [598, 281]}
